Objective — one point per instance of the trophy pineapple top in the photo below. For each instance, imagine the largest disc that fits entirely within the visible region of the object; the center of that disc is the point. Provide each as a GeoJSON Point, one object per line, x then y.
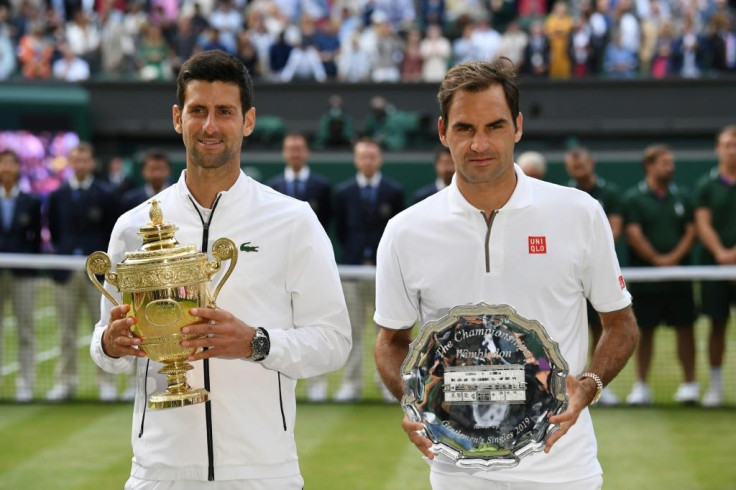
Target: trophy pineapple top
{"type": "Point", "coordinates": [158, 234]}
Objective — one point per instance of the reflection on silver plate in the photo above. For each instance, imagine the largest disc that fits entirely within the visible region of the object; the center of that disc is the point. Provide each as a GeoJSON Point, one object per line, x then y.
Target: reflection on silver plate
{"type": "Point", "coordinates": [483, 381]}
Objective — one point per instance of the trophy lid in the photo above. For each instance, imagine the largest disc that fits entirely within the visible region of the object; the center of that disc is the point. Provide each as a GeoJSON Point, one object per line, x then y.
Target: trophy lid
{"type": "Point", "coordinates": [159, 243]}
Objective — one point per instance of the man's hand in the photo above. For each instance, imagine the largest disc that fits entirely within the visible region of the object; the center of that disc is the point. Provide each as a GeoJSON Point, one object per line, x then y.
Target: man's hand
{"type": "Point", "coordinates": [581, 393]}
{"type": "Point", "coordinates": [224, 335]}
{"type": "Point", "coordinates": [413, 431]}
{"type": "Point", "coordinates": [117, 339]}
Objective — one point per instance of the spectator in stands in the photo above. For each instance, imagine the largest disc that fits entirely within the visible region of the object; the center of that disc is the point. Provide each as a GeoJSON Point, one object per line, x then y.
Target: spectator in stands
{"type": "Point", "coordinates": [303, 64]}
{"type": "Point", "coordinates": [210, 41]}
{"type": "Point", "coordinates": [502, 12]}
{"type": "Point", "coordinates": [600, 29]}
{"type": "Point", "coordinates": [328, 46]}
{"type": "Point", "coordinates": [156, 173]}
{"type": "Point", "coordinates": [20, 222]}
{"type": "Point", "coordinates": [70, 67]}
{"type": "Point", "coordinates": [34, 53]}
{"type": "Point", "coordinates": [715, 208]}
{"type": "Point", "coordinates": [581, 50]}
{"type": "Point", "coordinates": [386, 52]}
{"type": "Point", "coordinates": [536, 57]}
{"type": "Point", "coordinates": [688, 51]}
{"type": "Point", "coordinates": [399, 13]}
{"type": "Point", "coordinates": [385, 124]}
{"type": "Point", "coordinates": [278, 55]}
{"type": "Point", "coordinates": [118, 176]}
{"type": "Point", "coordinates": [154, 55]}
{"type": "Point", "coordinates": [619, 62]}
{"type": "Point", "coordinates": [336, 129]}
{"type": "Point", "coordinates": [84, 39]}
{"type": "Point", "coordinates": [722, 42]}
{"type": "Point", "coordinates": [531, 10]}
{"type": "Point", "coordinates": [627, 26]}
{"type": "Point", "coordinates": [353, 63]}
{"type": "Point", "coordinates": [411, 62]}
{"type": "Point", "coordinates": [662, 64]}
{"type": "Point", "coordinates": [7, 53]}
{"type": "Point", "coordinates": [363, 206]}
{"type": "Point", "coordinates": [463, 49]}
{"type": "Point", "coordinates": [580, 166]}
{"type": "Point", "coordinates": [513, 44]}
{"type": "Point", "coordinates": [248, 55]}
{"type": "Point", "coordinates": [228, 23]}
{"type": "Point", "coordinates": [558, 28]}
{"type": "Point", "coordinates": [486, 41]}
{"type": "Point", "coordinates": [431, 12]}
{"type": "Point", "coordinates": [184, 43]}
{"type": "Point", "coordinates": [660, 233]}
{"type": "Point", "coordinates": [435, 50]}
{"type": "Point", "coordinates": [80, 215]}
{"type": "Point", "coordinates": [444, 168]}
{"type": "Point", "coordinates": [533, 164]}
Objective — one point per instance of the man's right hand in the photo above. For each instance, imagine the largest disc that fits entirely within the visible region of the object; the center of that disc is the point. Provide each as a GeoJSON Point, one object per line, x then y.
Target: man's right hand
{"type": "Point", "coordinates": [117, 339]}
{"type": "Point", "coordinates": [414, 431]}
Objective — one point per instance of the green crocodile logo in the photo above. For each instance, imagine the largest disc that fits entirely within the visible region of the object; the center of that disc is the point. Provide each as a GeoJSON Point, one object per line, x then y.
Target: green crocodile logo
{"type": "Point", "coordinates": [247, 247]}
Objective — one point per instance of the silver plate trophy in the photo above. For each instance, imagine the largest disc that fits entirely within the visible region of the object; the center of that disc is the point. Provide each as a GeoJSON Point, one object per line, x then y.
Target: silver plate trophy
{"type": "Point", "coordinates": [483, 381]}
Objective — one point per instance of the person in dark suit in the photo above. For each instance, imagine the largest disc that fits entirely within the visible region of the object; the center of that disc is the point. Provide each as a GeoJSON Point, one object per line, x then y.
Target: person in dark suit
{"type": "Point", "coordinates": [117, 176]}
{"type": "Point", "coordinates": [20, 232]}
{"type": "Point", "coordinates": [156, 172]}
{"type": "Point", "coordinates": [363, 206]}
{"type": "Point", "coordinates": [299, 182]}
{"type": "Point", "coordinates": [444, 167]}
{"type": "Point", "coordinates": [81, 214]}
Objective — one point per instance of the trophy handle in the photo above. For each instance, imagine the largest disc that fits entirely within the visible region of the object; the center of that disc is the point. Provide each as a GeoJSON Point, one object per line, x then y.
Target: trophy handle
{"type": "Point", "coordinates": [223, 249]}
{"type": "Point", "coordinates": [99, 263]}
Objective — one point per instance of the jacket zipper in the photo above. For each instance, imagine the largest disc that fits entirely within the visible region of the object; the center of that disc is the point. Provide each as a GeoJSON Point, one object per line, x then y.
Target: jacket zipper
{"type": "Point", "coordinates": [489, 223]}
{"type": "Point", "coordinates": [281, 404]}
{"type": "Point", "coordinates": [206, 363]}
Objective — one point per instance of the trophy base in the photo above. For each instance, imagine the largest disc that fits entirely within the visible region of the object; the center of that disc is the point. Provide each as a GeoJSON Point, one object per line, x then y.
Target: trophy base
{"type": "Point", "coordinates": [172, 400]}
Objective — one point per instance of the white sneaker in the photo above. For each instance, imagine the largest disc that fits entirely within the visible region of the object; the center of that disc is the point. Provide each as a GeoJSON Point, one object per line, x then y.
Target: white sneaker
{"type": "Point", "coordinates": [640, 394]}
{"type": "Point", "coordinates": [23, 395]}
{"type": "Point", "coordinates": [713, 398]}
{"type": "Point", "coordinates": [317, 390]}
{"type": "Point", "coordinates": [608, 398]}
{"type": "Point", "coordinates": [108, 392]}
{"type": "Point", "coordinates": [688, 393]}
{"type": "Point", "coordinates": [58, 393]}
{"type": "Point", "coordinates": [129, 394]}
{"type": "Point", "coordinates": [348, 392]}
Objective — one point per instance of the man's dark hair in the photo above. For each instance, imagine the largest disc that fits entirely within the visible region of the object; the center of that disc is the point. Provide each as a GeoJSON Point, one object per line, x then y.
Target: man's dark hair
{"type": "Point", "coordinates": [11, 154]}
{"type": "Point", "coordinates": [653, 152]}
{"type": "Point", "coordinates": [477, 76]}
{"type": "Point", "coordinates": [296, 134]}
{"type": "Point", "coordinates": [367, 140]}
{"type": "Point", "coordinates": [215, 66]}
{"type": "Point", "coordinates": [155, 154]}
{"type": "Point", "coordinates": [578, 151]}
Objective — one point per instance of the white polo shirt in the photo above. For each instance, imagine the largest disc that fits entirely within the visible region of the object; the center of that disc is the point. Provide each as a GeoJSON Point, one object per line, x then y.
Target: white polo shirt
{"type": "Point", "coordinates": [549, 248]}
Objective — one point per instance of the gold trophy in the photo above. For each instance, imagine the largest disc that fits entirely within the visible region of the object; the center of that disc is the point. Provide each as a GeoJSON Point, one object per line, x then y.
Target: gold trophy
{"type": "Point", "coordinates": [161, 282]}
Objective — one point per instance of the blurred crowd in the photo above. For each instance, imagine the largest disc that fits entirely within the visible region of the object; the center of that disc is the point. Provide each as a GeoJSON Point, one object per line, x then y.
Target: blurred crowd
{"type": "Point", "coordinates": [367, 40]}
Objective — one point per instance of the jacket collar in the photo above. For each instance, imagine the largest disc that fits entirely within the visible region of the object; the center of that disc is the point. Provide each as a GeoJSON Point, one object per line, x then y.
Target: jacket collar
{"type": "Point", "coordinates": [241, 185]}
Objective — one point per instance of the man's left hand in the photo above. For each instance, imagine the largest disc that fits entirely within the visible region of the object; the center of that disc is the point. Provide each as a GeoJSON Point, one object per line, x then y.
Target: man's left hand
{"type": "Point", "coordinates": [224, 335]}
{"type": "Point", "coordinates": [580, 397]}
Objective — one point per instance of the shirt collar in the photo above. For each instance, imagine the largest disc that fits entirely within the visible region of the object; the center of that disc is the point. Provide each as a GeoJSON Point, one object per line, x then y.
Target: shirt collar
{"type": "Point", "coordinates": [225, 196]}
{"type": "Point", "coordinates": [83, 185]}
{"type": "Point", "coordinates": [522, 196]}
{"type": "Point", "coordinates": [13, 194]}
{"type": "Point", "coordinates": [363, 181]}
{"type": "Point", "coordinates": [301, 176]}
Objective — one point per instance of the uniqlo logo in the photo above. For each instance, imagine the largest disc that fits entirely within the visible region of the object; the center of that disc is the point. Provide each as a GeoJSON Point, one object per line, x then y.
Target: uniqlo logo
{"type": "Point", "coordinates": [621, 282]}
{"type": "Point", "coordinates": [537, 244]}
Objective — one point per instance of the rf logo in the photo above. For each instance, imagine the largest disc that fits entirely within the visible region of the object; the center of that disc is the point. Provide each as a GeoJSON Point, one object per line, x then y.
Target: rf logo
{"type": "Point", "coordinates": [537, 244]}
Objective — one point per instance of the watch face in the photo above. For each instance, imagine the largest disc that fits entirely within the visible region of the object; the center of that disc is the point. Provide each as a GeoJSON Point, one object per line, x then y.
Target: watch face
{"type": "Point", "coordinates": [260, 346]}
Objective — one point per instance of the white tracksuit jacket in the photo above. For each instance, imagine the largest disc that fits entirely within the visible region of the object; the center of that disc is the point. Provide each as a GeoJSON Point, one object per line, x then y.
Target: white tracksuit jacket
{"type": "Point", "coordinates": [290, 287]}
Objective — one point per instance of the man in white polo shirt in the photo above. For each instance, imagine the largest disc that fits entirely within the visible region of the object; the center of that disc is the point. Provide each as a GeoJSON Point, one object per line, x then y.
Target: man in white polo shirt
{"type": "Point", "coordinates": [497, 236]}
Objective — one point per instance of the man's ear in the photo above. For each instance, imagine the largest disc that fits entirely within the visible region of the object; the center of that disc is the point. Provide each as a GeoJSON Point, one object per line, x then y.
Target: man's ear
{"type": "Point", "coordinates": [176, 116]}
{"type": "Point", "coordinates": [441, 130]}
{"type": "Point", "coordinates": [250, 121]}
{"type": "Point", "coordinates": [519, 128]}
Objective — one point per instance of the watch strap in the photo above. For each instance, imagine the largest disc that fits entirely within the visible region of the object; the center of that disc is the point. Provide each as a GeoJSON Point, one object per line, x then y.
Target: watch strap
{"type": "Point", "coordinates": [598, 384]}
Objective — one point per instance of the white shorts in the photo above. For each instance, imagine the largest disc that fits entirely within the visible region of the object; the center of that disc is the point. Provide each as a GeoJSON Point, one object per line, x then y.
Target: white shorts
{"type": "Point", "coordinates": [458, 481]}
{"type": "Point", "coordinates": [288, 483]}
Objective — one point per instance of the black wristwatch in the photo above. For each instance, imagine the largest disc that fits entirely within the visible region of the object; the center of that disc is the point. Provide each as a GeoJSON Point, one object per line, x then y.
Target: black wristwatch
{"type": "Point", "coordinates": [260, 346]}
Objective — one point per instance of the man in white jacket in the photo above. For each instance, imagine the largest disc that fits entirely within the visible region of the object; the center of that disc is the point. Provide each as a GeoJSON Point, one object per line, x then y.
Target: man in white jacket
{"type": "Point", "coordinates": [281, 315]}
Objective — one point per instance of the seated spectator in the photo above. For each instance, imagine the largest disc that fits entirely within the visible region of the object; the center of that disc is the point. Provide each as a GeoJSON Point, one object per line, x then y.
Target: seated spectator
{"type": "Point", "coordinates": [386, 55]}
{"type": "Point", "coordinates": [153, 55]}
{"type": "Point", "coordinates": [431, 12]}
{"type": "Point", "coordinates": [486, 40]}
{"type": "Point", "coordinates": [84, 39]}
{"type": "Point", "coordinates": [580, 49]}
{"type": "Point", "coordinates": [34, 53]}
{"type": "Point", "coordinates": [278, 54]}
{"type": "Point", "coordinates": [619, 61]}
{"type": "Point", "coordinates": [502, 12]}
{"type": "Point", "coordinates": [721, 43]}
{"type": "Point", "coordinates": [328, 46]}
{"type": "Point", "coordinates": [7, 55]}
{"type": "Point", "coordinates": [436, 51]}
{"type": "Point", "coordinates": [335, 126]}
{"type": "Point", "coordinates": [353, 63]}
{"type": "Point", "coordinates": [513, 44]}
{"type": "Point", "coordinates": [599, 24]}
{"type": "Point", "coordinates": [463, 49]}
{"type": "Point", "coordinates": [303, 64]}
{"type": "Point", "coordinates": [536, 57]}
{"type": "Point", "coordinates": [248, 55]}
{"type": "Point", "coordinates": [411, 64]}
{"type": "Point", "coordinates": [688, 51]}
{"type": "Point", "coordinates": [212, 41]}
{"type": "Point", "coordinates": [558, 27]}
{"type": "Point", "coordinates": [261, 39]}
{"type": "Point", "coordinates": [184, 43]}
{"type": "Point", "coordinates": [228, 22]}
{"type": "Point", "coordinates": [70, 67]}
